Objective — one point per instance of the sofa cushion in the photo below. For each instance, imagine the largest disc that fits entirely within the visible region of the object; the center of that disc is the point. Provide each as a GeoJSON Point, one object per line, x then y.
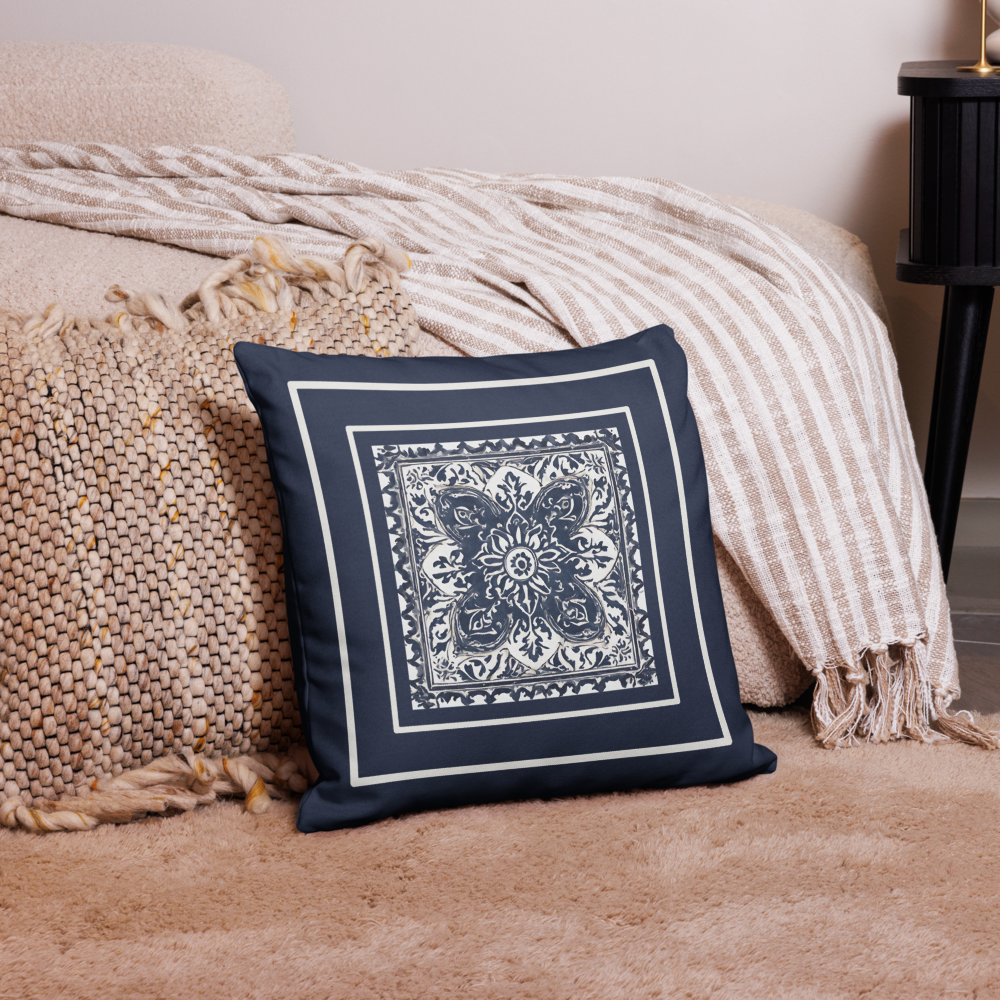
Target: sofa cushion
{"type": "Point", "coordinates": [45, 263]}
{"type": "Point", "coordinates": [139, 95]}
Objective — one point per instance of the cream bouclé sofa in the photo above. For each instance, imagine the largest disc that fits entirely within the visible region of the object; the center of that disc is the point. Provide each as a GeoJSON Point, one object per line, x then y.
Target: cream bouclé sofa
{"type": "Point", "coordinates": [154, 95]}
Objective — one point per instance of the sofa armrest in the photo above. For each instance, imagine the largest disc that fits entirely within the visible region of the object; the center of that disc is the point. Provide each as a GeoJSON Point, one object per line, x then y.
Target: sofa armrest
{"type": "Point", "coordinates": [842, 251]}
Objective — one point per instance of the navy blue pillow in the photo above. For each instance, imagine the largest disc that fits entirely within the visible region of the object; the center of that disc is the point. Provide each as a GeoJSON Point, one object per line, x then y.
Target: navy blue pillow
{"type": "Point", "coordinates": [500, 576]}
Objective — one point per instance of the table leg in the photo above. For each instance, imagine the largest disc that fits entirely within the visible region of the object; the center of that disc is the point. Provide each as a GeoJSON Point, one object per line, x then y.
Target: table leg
{"type": "Point", "coordinates": [964, 324]}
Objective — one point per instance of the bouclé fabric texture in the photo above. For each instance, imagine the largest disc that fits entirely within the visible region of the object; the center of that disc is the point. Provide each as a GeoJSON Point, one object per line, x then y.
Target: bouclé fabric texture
{"type": "Point", "coordinates": [138, 94]}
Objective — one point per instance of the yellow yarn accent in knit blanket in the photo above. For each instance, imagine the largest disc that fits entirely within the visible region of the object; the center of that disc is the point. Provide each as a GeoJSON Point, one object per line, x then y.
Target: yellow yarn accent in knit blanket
{"type": "Point", "coordinates": [141, 588]}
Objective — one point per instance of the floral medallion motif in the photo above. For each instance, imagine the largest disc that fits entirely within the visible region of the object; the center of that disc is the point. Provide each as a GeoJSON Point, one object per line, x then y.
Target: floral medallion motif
{"type": "Point", "coordinates": [517, 568]}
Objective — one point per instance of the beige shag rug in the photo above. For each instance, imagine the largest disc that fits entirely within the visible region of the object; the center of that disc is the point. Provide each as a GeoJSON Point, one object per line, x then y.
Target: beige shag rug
{"type": "Point", "coordinates": [865, 872]}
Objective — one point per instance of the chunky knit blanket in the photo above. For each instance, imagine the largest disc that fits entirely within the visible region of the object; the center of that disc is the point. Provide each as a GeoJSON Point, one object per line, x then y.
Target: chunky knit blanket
{"type": "Point", "coordinates": [815, 487]}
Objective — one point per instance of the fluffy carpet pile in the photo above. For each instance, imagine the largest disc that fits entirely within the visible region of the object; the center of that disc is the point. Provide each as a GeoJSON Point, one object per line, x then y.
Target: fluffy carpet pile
{"type": "Point", "coordinates": [869, 872]}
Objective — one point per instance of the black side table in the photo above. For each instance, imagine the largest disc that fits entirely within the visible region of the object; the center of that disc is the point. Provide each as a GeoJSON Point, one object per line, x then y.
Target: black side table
{"type": "Point", "coordinates": [953, 240]}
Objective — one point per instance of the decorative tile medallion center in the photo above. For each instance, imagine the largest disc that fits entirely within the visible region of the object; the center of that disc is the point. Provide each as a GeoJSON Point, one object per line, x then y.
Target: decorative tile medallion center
{"type": "Point", "coordinates": [517, 567]}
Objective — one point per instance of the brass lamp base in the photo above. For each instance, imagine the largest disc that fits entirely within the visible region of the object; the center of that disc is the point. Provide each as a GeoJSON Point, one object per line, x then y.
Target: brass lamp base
{"type": "Point", "coordinates": [983, 67]}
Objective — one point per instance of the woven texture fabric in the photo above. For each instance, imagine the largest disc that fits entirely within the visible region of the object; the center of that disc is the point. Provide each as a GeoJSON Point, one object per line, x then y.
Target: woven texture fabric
{"type": "Point", "coordinates": [815, 487]}
{"type": "Point", "coordinates": [141, 586]}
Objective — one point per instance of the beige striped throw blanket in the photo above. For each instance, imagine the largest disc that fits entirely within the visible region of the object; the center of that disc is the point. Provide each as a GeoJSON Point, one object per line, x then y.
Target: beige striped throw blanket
{"type": "Point", "coordinates": [815, 487]}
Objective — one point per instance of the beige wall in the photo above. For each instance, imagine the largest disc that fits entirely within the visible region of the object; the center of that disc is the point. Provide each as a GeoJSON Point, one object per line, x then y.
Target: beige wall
{"type": "Point", "coordinates": [789, 100]}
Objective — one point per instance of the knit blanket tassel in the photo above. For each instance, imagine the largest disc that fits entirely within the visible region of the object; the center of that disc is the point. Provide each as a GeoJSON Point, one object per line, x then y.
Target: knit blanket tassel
{"type": "Point", "coordinates": [886, 695]}
{"type": "Point", "coordinates": [174, 783]}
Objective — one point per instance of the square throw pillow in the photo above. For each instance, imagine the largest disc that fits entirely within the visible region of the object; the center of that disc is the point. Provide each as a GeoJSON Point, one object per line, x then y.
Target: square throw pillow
{"type": "Point", "coordinates": [500, 576]}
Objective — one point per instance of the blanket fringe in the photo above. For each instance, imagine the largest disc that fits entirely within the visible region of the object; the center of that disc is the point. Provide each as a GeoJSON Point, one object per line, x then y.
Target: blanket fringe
{"type": "Point", "coordinates": [886, 696]}
{"type": "Point", "coordinates": [268, 278]}
{"type": "Point", "coordinates": [174, 783]}
{"type": "Point", "coordinates": [961, 726]}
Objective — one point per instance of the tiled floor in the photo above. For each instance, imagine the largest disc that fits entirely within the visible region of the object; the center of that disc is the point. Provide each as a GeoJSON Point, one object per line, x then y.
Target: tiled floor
{"type": "Point", "coordinates": [977, 642]}
{"type": "Point", "coordinates": [974, 581]}
{"type": "Point", "coordinates": [974, 593]}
